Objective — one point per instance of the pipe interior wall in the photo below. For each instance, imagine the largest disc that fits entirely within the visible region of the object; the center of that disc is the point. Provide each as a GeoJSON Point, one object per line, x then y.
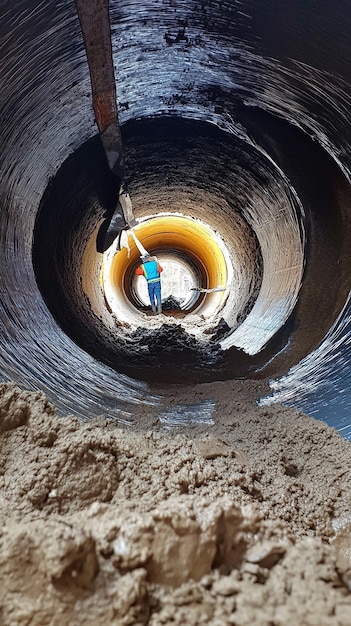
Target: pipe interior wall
{"type": "Point", "coordinates": [233, 105]}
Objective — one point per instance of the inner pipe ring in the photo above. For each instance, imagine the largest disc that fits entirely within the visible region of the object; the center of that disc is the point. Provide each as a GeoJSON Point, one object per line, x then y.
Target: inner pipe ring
{"type": "Point", "coordinates": [182, 278]}
{"type": "Point", "coordinates": [195, 242]}
{"type": "Point", "coordinates": [251, 210]}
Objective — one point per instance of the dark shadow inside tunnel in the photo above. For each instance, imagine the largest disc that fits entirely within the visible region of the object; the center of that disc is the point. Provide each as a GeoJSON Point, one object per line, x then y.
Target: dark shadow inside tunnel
{"type": "Point", "coordinates": [174, 154]}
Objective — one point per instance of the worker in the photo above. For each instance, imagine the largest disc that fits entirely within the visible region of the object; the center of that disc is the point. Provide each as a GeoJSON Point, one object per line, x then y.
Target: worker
{"type": "Point", "coordinates": [151, 270]}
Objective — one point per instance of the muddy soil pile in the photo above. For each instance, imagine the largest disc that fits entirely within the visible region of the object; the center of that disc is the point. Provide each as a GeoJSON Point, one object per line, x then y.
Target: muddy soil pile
{"type": "Point", "coordinates": [242, 522]}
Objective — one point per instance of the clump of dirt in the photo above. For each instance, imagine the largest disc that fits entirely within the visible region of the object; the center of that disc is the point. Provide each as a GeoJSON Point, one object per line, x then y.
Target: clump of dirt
{"type": "Point", "coordinates": [171, 304]}
{"type": "Point", "coordinates": [170, 345]}
{"type": "Point", "coordinates": [243, 522]}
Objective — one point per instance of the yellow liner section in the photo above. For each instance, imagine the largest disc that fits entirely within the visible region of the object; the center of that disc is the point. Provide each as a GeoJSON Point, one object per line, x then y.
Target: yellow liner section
{"type": "Point", "coordinates": [173, 233]}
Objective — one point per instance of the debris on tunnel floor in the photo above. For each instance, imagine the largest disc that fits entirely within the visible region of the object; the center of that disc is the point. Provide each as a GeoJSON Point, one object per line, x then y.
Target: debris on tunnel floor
{"type": "Point", "coordinates": [168, 344]}
{"type": "Point", "coordinates": [171, 304]}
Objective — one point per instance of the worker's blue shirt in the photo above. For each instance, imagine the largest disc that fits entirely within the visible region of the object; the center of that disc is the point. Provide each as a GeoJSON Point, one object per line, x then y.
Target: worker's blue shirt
{"type": "Point", "coordinates": [151, 271]}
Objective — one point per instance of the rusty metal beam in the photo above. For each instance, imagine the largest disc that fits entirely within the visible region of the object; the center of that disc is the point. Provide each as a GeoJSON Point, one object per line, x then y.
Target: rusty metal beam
{"type": "Point", "coordinates": [95, 24]}
{"type": "Point", "coordinates": [94, 20]}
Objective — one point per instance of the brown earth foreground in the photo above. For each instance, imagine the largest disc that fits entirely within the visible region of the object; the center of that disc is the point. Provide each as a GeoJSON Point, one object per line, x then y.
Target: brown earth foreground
{"type": "Point", "coordinates": [246, 522]}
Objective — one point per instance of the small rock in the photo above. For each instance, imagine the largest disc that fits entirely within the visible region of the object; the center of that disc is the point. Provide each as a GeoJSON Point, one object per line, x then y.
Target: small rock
{"type": "Point", "coordinates": [266, 554]}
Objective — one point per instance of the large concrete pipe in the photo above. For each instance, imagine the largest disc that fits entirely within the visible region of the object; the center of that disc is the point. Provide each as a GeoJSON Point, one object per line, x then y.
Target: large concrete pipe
{"type": "Point", "coordinates": [235, 126]}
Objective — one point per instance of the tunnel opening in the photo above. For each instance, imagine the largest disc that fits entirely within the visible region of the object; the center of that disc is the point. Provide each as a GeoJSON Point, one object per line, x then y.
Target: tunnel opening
{"type": "Point", "coordinates": [181, 280]}
{"type": "Point", "coordinates": [239, 193]}
{"type": "Point", "coordinates": [196, 275]}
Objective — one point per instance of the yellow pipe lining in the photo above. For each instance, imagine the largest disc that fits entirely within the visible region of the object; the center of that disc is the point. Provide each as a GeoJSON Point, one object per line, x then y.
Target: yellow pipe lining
{"type": "Point", "coordinates": [177, 233]}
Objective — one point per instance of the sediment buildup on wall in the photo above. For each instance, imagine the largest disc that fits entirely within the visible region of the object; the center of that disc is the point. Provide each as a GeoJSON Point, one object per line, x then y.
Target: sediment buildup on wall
{"type": "Point", "coordinates": [234, 119]}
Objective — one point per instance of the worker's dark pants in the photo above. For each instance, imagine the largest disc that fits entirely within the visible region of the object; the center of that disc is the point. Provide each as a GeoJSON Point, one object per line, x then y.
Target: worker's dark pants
{"type": "Point", "coordinates": [155, 293]}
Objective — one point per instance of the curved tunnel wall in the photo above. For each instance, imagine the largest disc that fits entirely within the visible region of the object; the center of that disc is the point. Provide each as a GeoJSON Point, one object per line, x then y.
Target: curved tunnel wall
{"type": "Point", "coordinates": [268, 85]}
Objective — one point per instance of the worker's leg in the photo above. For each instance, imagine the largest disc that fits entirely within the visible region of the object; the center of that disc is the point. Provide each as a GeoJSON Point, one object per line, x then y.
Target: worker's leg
{"type": "Point", "coordinates": [158, 296]}
{"type": "Point", "coordinates": [151, 290]}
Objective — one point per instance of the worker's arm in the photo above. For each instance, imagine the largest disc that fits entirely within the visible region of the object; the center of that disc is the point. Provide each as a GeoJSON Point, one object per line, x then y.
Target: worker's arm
{"type": "Point", "coordinates": [160, 269]}
{"type": "Point", "coordinates": [140, 270]}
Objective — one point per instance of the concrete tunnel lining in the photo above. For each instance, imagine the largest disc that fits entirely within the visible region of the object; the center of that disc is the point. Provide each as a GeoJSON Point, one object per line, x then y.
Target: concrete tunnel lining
{"type": "Point", "coordinates": [47, 114]}
{"type": "Point", "coordinates": [261, 223]}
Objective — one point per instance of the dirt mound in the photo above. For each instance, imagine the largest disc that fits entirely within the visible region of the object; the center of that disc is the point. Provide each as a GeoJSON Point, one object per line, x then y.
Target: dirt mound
{"type": "Point", "coordinates": [243, 522]}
